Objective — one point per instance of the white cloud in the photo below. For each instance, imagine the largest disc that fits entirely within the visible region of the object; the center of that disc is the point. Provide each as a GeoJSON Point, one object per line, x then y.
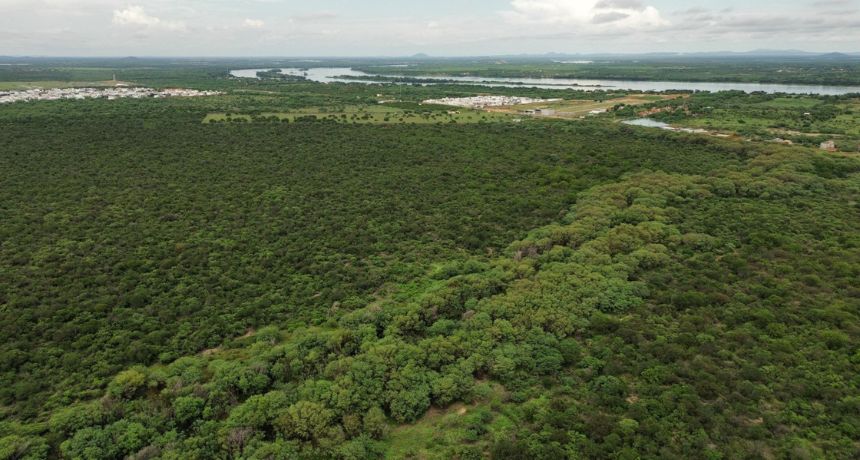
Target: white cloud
{"type": "Point", "coordinates": [137, 16]}
{"type": "Point", "coordinates": [253, 24]}
{"type": "Point", "coordinates": [231, 27]}
{"type": "Point", "coordinates": [586, 13]}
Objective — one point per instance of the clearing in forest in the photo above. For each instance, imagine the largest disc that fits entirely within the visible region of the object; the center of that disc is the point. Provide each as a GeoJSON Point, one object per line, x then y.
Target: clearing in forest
{"type": "Point", "coordinates": [366, 114]}
{"type": "Point", "coordinates": [25, 85]}
{"type": "Point", "coordinates": [580, 108]}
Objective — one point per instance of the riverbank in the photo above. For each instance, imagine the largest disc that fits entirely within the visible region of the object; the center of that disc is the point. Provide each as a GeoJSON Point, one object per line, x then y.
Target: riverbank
{"type": "Point", "coordinates": [351, 75]}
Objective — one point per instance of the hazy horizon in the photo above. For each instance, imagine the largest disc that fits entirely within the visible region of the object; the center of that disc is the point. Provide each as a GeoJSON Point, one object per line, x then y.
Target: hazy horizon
{"type": "Point", "coordinates": [447, 28]}
{"type": "Point", "coordinates": [417, 55]}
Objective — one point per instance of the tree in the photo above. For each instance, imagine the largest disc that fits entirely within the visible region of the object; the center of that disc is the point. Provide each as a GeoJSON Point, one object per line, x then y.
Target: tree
{"type": "Point", "coordinates": [259, 411]}
{"type": "Point", "coordinates": [67, 420]}
{"type": "Point", "coordinates": [187, 409]}
{"type": "Point", "coordinates": [15, 447]}
{"type": "Point", "coordinates": [127, 383]}
{"type": "Point", "coordinates": [375, 423]}
{"type": "Point", "coordinates": [89, 444]}
{"type": "Point", "coordinates": [306, 421]}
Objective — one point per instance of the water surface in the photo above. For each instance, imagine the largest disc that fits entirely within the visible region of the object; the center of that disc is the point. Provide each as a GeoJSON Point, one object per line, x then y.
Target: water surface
{"type": "Point", "coordinates": [332, 74]}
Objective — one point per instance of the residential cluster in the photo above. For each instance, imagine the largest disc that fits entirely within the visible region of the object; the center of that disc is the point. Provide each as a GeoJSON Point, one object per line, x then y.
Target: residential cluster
{"type": "Point", "coordinates": [7, 97]}
{"type": "Point", "coordinates": [480, 102]}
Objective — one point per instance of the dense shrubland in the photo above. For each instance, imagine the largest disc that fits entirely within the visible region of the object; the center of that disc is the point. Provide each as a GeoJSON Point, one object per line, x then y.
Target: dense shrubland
{"type": "Point", "coordinates": [135, 235]}
{"type": "Point", "coordinates": [663, 316]}
{"type": "Point", "coordinates": [171, 289]}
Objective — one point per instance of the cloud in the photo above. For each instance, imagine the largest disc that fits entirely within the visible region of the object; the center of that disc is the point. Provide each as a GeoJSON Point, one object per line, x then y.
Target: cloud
{"type": "Point", "coordinates": [136, 16]}
{"type": "Point", "coordinates": [636, 5]}
{"type": "Point", "coordinates": [270, 27]}
{"type": "Point", "coordinates": [832, 3]}
{"type": "Point", "coordinates": [253, 24]}
{"type": "Point", "coordinates": [631, 14]}
{"type": "Point", "coordinates": [605, 18]}
{"type": "Point", "coordinates": [751, 25]}
{"type": "Point", "coordinates": [315, 17]}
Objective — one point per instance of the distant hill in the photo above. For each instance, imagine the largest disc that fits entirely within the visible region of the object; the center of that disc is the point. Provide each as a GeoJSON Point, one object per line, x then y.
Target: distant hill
{"type": "Point", "coordinates": [767, 54]}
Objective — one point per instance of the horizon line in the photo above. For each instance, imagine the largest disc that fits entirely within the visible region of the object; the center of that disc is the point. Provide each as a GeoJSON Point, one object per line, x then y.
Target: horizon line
{"type": "Point", "coordinates": [773, 52]}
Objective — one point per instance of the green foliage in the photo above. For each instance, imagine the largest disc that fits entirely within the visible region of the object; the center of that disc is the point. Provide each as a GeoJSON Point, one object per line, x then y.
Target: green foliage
{"type": "Point", "coordinates": [70, 419]}
{"type": "Point", "coordinates": [259, 411]}
{"type": "Point", "coordinates": [694, 300]}
{"type": "Point", "coordinates": [375, 423]}
{"type": "Point", "coordinates": [14, 447]}
{"type": "Point", "coordinates": [127, 384]}
{"type": "Point", "coordinates": [805, 120]}
{"type": "Point", "coordinates": [130, 233]}
{"type": "Point", "coordinates": [118, 439]}
{"type": "Point", "coordinates": [305, 421]}
{"type": "Point", "coordinates": [187, 409]}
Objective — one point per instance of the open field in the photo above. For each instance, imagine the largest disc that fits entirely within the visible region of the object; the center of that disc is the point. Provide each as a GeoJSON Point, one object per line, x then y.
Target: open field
{"type": "Point", "coordinates": [380, 114]}
{"type": "Point", "coordinates": [442, 430]}
{"type": "Point", "coordinates": [805, 120]}
{"type": "Point", "coordinates": [582, 108]}
{"type": "Point", "coordinates": [24, 85]}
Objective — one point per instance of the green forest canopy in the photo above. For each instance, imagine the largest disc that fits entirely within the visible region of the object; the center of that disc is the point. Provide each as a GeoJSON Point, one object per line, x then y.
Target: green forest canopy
{"type": "Point", "coordinates": [545, 290]}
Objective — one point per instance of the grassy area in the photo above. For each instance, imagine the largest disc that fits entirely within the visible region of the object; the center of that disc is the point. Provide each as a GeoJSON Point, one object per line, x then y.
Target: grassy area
{"type": "Point", "coordinates": [805, 120]}
{"type": "Point", "coordinates": [24, 85]}
{"type": "Point", "coordinates": [799, 119]}
{"type": "Point", "coordinates": [581, 108]}
{"type": "Point", "coordinates": [431, 437]}
{"type": "Point", "coordinates": [367, 114]}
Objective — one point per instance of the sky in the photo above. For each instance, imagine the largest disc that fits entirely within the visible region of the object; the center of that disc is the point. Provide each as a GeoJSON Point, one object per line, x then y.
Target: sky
{"type": "Point", "coordinates": [406, 27]}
